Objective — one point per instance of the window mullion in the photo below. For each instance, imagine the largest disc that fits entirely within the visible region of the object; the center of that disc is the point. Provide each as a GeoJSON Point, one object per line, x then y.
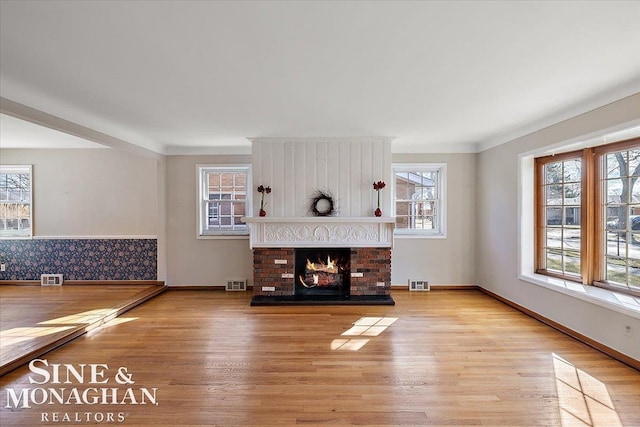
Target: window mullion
{"type": "Point", "coordinates": [539, 217]}
{"type": "Point", "coordinates": [589, 220]}
{"type": "Point", "coordinates": [599, 219]}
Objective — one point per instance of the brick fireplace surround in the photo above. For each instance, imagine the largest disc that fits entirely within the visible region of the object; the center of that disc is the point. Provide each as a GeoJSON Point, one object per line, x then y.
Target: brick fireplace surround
{"type": "Point", "coordinates": [373, 263]}
{"type": "Point", "coordinates": [274, 242]}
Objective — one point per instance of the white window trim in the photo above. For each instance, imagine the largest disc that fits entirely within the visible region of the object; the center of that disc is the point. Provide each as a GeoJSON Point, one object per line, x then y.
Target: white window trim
{"type": "Point", "coordinates": [13, 235]}
{"type": "Point", "coordinates": [409, 233]}
{"type": "Point", "coordinates": [201, 209]}
{"type": "Point", "coordinates": [621, 303]}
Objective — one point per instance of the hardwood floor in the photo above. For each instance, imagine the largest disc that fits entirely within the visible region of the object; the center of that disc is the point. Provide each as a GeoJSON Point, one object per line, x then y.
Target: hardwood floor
{"type": "Point", "coordinates": [35, 319]}
{"type": "Point", "coordinates": [439, 358]}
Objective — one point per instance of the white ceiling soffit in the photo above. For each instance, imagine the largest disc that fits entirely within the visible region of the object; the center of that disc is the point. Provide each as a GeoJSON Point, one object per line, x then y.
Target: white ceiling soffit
{"type": "Point", "coordinates": [197, 77]}
{"type": "Point", "coordinates": [16, 133]}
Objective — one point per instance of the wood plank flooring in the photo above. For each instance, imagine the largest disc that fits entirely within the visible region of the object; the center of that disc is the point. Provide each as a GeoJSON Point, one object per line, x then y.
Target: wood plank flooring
{"type": "Point", "coordinates": [440, 358]}
{"type": "Point", "coordinates": [34, 319]}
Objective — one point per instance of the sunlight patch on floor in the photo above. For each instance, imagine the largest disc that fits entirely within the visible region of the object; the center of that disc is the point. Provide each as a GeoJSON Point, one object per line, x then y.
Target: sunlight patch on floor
{"type": "Point", "coordinates": [89, 320]}
{"type": "Point", "coordinates": [583, 399]}
{"type": "Point", "coordinates": [86, 317]}
{"type": "Point", "coordinates": [115, 322]}
{"type": "Point", "coordinates": [348, 344]}
{"type": "Point", "coordinates": [16, 335]}
{"type": "Point", "coordinates": [365, 326]}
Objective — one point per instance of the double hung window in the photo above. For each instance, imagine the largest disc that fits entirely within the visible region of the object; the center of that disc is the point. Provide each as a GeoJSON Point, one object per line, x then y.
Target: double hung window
{"type": "Point", "coordinates": [419, 196]}
{"type": "Point", "coordinates": [16, 201]}
{"type": "Point", "coordinates": [223, 199]}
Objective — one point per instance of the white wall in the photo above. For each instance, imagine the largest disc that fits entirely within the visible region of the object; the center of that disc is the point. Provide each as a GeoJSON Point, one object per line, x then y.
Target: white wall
{"type": "Point", "coordinates": [111, 192]}
{"type": "Point", "coordinates": [448, 261]}
{"type": "Point", "coordinates": [497, 232]}
{"type": "Point", "coordinates": [193, 261]}
{"type": "Point", "coordinates": [95, 192]}
{"type": "Point", "coordinates": [91, 192]}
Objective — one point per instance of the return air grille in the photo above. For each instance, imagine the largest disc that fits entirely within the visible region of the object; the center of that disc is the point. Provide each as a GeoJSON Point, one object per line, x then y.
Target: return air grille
{"type": "Point", "coordinates": [51, 279]}
{"type": "Point", "coordinates": [419, 285]}
{"type": "Point", "coordinates": [236, 285]}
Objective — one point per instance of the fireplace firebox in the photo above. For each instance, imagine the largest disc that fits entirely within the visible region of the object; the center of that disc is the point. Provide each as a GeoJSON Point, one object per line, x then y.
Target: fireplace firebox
{"type": "Point", "coordinates": [322, 273]}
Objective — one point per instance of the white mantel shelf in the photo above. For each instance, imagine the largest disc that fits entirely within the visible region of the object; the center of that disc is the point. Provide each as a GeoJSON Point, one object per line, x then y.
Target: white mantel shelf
{"type": "Point", "coordinates": [327, 231]}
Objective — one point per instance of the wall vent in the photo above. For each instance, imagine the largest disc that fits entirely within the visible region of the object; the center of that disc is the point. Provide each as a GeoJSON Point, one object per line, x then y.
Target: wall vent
{"type": "Point", "coordinates": [419, 285]}
{"type": "Point", "coordinates": [51, 279]}
{"type": "Point", "coordinates": [236, 285]}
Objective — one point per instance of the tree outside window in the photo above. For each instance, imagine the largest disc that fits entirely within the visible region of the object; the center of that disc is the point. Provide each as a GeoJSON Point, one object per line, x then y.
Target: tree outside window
{"type": "Point", "coordinates": [622, 215]}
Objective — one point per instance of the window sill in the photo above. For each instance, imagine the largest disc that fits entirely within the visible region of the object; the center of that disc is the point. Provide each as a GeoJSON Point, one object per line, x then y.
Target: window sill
{"type": "Point", "coordinates": [223, 236]}
{"type": "Point", "coordinates": [622, 303]}
{"type": "Point", "coordinates": [418, 236]}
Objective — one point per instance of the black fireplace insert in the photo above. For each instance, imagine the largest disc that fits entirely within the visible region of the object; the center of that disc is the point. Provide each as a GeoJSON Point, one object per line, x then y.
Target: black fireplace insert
{"type": "Point", "coordinates": [322, 273]}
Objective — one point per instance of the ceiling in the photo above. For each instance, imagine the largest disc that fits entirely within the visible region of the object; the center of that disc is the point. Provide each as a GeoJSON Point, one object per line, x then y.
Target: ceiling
{"type": "Point", "coordinates": [203, 76]}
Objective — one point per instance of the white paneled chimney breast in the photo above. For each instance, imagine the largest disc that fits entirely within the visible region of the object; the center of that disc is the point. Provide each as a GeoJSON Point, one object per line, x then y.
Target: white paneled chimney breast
{"type": "Point", "coordinates": [345, 168]}
{"type": "Point", "coordinates": [299, 169]}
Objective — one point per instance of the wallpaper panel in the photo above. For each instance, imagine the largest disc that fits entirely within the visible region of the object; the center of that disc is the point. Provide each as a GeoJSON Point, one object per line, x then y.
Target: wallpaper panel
{"type": "Point", "coordinates": [80, 259]}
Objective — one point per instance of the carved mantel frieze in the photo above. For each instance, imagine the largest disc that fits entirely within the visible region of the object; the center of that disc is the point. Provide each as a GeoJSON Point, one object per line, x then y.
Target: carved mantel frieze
{"type": "Point", "coordinates": [336, 232]}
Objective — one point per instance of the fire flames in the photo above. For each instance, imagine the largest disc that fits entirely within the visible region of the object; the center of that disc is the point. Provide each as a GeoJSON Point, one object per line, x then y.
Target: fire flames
{"type": "Point", "coordinates": [329, 267]}
{"type": "Point", "coordinates": [321, 273]}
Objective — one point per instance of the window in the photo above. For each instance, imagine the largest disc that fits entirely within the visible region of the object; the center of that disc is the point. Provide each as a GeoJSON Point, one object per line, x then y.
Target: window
{"type": "Point", "coordinates": [560, 234]}
{"type": "Point", "coordinates": [620, 184]}
{"type": "Point", "coordinates": [223, 199]}
{"type": "Point", "coordinates": [588, 216]}
{"type": "Point", "coordinates": [419, 199]}
{"type": "Point", "coordinates": [15, 201]}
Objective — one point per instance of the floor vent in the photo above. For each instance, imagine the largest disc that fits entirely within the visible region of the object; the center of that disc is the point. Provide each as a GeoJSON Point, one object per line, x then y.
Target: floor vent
{"type": "Point", "coordinates": [419, 285]}
{"type": "Point", "coordinates": [236, 285]}
{"type": "Point", "coordinates": [51, 279]}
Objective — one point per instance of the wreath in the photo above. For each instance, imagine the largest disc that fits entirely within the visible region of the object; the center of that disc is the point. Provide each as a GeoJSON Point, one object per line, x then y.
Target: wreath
{"type": "Point", "coordinates": [321, 204]}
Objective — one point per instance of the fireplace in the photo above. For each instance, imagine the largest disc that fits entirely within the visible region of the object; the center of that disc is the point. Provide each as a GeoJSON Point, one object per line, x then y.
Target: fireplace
{"type": "Point", "coordinates": [296, 169]}
{"type": "Point", "coordinates": [321, 260]}
{"type": "Point", "coordinates": [322, 272]}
